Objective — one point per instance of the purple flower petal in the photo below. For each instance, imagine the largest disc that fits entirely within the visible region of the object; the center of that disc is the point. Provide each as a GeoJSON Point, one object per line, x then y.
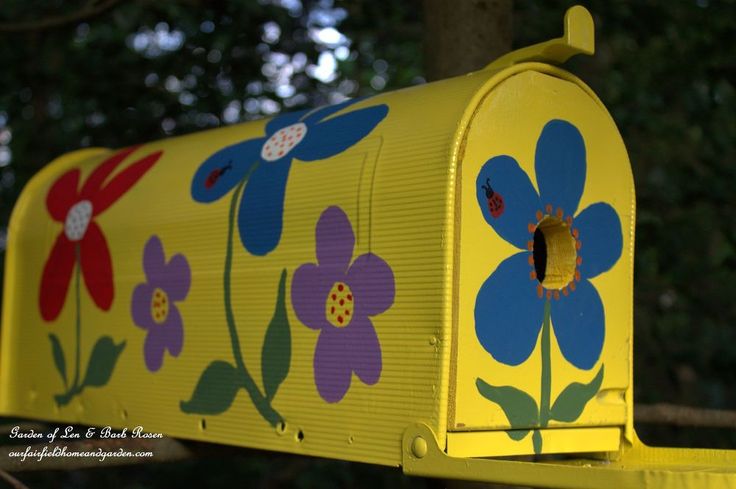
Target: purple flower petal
{"type": "Point", "coordinates": [310, 286]}
{"type": "Point", "coordinates": [154, 260]}
{"type": "Point", "coordinates": [365, 350]}
{"type": "Point", "coordinates": [173, 332]}
{"type": "Point", "coordinates": [332, 370]}
{"type": "Point", "coordinates": [153, 348]}
{"type": "Point", "coordinates": [175, 278]}
{"type": "Point", "coordinates": [372, 282]}
{"type": "Point", "coordinates": [335, 239]}
{"type": "Point", "coordinates": [140, 306]}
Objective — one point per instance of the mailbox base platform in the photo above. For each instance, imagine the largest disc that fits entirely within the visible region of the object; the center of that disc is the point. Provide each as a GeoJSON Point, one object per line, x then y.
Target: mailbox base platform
{"type": "Point", "coordinates": [563, 440]}
{"type": "Point", "coordinates": [634, 465]}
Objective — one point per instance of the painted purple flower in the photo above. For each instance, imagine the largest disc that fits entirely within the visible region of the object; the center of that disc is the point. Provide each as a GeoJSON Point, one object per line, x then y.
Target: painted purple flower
{"type": "Point", "coordinates": [153, 307]}
{"type": "Point", "coordinates": [337, 298]}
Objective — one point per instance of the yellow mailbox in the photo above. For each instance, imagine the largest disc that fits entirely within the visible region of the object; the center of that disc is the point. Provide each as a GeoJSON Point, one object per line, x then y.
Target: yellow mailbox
{"type": "Point", "coordinates": [436, 274]}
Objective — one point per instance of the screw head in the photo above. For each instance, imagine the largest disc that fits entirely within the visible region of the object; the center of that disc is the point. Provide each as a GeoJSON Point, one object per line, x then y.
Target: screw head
{"type": "Point", "coordinates": [419, 447]}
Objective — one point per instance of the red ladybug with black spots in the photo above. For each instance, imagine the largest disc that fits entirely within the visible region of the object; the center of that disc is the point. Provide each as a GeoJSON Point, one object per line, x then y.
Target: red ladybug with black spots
{"type": "Point", "coordinates": [496, 205]}
{"type": "Point", "coordinates": [215, 175]}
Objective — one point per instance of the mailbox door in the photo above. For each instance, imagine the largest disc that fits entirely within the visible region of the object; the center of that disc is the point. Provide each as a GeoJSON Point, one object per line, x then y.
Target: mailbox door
{"type": "Point", "coordinates": [544, 279]}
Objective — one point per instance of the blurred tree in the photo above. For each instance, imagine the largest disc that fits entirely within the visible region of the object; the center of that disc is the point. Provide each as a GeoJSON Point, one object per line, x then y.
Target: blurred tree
{"type": "Point", "coordinates": [460, 37]}
{"type": "Point", "coordinates": [665, 72]}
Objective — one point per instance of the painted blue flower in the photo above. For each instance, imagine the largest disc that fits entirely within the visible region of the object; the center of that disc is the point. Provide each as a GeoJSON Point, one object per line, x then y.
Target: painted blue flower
{"type": "Point", "coordinates": [304, 135]}
{"type": "Point", "coordinates": [510, 305]}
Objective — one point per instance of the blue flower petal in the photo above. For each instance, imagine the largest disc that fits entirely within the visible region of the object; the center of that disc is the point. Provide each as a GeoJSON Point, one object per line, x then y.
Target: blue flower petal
{"type": "Point", "coordinates": [262, 207]}
{"type": "Point", "coordinates": [600, 238]}
{"type": "Point", "coordinates": [283, 120]}
{"type": "Point", "coordinates": [335, 135]}
{"type": "Point", "coordinates": [520, 200]}
{"type": "Point", "coordinates": [560, 166]}
{"type": "Point", "coordinates": [322, 113]}
{"type": "Point", "coordinates": [508, 313]}
{"type": "Point", "coordinates": [579, 325]}
{"type": "Point", "coordinates": [222, 171]}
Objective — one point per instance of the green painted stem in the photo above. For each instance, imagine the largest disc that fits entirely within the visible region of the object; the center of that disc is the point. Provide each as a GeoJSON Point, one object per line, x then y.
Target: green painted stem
{"type": "Point", "coordinates": [78, 267]}
{"type": "Point", "coordinates": [229, 316]}
{"type": "Point", "coordinates": [64, 399]}
{"type": "Point", "coordinates": [544, 399]}
{"type": "Point", "coordinates": [259, 400]}
{"type": "Point", "coordinates": [74, 389]}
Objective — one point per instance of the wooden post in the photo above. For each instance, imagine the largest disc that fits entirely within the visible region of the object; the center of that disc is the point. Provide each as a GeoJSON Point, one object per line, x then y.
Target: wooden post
{"type": "Point", "coordinates": [464, 35]}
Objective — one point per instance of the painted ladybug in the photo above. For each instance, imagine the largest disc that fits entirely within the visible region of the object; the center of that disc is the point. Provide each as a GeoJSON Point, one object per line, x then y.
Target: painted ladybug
{"type": "Point", "coordinates": [496, 205]}
{"type": "Point", "coordinates": [215, 175]}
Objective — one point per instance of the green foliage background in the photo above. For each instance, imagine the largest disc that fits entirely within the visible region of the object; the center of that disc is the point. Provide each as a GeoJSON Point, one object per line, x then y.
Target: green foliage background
{"type": "Point", "coordinates": [665, 69]}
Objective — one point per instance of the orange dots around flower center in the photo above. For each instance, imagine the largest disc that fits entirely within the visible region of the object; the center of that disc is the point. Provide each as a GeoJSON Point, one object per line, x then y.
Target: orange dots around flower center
{"type": "Point", "coordinates": [554, 253]}
{"type": "Point", "coordinates": [159, 306]}
{"type": "Point", "coordinates": [339, 307]}
{"type": "Point", "coordinates": [77, 220]}
{"type": "Point", "coordinates": [283, 141]}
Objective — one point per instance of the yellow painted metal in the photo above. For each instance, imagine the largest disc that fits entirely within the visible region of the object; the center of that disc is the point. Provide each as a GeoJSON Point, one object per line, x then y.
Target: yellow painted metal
{"type": "Point", "coordinates": [396, 186]}
{"type": "Point", "coordinates": [475, 444]}
{"type": "Point", "coordinates": [635, 466]}
{"type": "Point", "coordinates": [532, 98]}
{"type": "Point", "coordinates": [247, 370]}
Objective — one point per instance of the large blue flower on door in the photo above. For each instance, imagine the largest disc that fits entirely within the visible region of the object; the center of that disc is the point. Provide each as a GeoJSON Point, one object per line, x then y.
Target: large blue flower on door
{"type": "Point", "coordinates": [546, 284]}
{"type": "Point", "coordinates": [262, 165]}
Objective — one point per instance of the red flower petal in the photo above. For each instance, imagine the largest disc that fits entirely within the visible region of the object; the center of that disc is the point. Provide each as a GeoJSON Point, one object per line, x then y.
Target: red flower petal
{"type": "Point", "coordinates": [57, 272]}
{"type": "Point", "coordinates": [122, 182]}
{"type": "Point", "coordinates": [99, 175]}
{"type": "Point", "coordinates": [97, 266]}
{"type": "Point", "coordinates": [63, 195]}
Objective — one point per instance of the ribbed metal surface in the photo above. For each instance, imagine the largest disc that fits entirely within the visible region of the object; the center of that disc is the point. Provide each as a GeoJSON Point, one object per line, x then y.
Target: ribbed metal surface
{"type": "Point", "coordinates": [396, 186]}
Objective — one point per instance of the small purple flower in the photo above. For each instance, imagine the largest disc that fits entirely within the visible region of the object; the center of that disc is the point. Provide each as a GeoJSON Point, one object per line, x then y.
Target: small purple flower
{"type": "Point", "coordinates": [153, 306]}
{"type": "Point", "coordinates": [337, 298]}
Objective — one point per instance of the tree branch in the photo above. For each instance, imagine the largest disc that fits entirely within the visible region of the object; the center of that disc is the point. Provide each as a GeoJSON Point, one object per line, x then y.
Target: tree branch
{"type": "Point", "coordinates": [12, 481]}
{"type": "Point", "coordinates": [90, 9]}
{"type": "Point", "coordinates": [684, 416]}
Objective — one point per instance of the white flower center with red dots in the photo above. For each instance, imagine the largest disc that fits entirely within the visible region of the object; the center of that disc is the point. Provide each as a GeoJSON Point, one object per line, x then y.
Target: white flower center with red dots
{"type": "Point", "coordinates": [159, 305]}
{"type": "Point", "coordinates": [77, 220]}
{"type": "Point", "coordinates": [340, 306]}
{"type": "Point", "coordinates": [283, 141]}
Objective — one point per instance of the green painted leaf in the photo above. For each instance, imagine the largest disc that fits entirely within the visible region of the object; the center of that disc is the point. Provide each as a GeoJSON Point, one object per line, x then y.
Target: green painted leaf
{"type": "Point", "coordinates": [572, 400]}
{"type": "Point", "coordinates": [59, 360]}
{"type": "Point", "coordinates": [215, 391]}
{"type": "Point", "coordinates": [276, 352]}
{"type": "Point", "coordinates": [102, 362]}
{"type": "Point", "coordinates": [517, 434]}
{"type": "Point", "coordinates": [519, 407]}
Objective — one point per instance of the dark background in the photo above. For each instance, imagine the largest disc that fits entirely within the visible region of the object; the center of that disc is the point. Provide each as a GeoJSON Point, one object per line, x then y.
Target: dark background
{"type": "Point", "coordinates": [113, 73]}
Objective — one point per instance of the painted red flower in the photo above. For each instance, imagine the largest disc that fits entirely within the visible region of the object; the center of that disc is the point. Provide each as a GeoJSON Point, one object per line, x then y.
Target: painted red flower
{"type": "Point", "coordinates": [82, 239]}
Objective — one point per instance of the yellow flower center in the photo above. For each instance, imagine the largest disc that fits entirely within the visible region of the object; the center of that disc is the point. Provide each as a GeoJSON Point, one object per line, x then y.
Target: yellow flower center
{"type": "Point", "coordinates": [554, 259]}
{"type": "Point", "coordinates": [339, 306]}
{"type": "Point", "coordinates": [159, 305]}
